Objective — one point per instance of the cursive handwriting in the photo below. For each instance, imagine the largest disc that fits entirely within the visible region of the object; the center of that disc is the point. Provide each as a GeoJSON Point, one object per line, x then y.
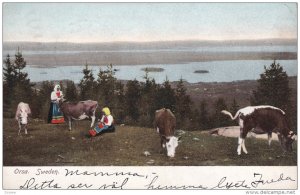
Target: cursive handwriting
{"type": "Point", "coordinates": [80, 186]}
{"type": "Point", "coordinates": [100, 173]}
{"type": "Point", "coordinates": [31, 184]}
{"type": "Point", "coordinates": [114, 185]}
{"type": "Point", "coordinates": [224, 184]}
{"type": "Point", "coordinates": [153, 186]}
{"type": "Point", "coordinates": [261, 181]}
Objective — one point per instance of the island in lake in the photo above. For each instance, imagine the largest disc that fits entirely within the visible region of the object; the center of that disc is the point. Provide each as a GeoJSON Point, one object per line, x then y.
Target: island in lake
{"type": "Point", "coordinates": [201, 71]}
{"type": "Point", "coordinates": [153, 69]}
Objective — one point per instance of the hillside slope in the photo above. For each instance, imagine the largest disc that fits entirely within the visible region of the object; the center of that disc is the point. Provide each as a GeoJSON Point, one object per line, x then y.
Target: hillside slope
{"type": "Point", "coordinates": [54, 145]}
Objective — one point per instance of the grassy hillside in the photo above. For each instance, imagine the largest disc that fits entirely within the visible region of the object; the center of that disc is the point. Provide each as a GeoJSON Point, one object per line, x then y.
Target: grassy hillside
{"type": "Point", "coordinates": [54, 145]}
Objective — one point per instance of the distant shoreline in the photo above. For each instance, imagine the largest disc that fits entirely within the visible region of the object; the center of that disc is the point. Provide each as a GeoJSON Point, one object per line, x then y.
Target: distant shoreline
{"type": "Point", "coordinates": [143, 53]}
{"type": "Point", "coordinates": [130, 58]}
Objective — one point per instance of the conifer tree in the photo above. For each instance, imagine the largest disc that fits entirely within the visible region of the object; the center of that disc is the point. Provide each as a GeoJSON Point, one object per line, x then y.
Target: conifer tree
{"type": "Point", "coordinates": [219, 119]}
{"type": "Point", "coordinates": [106, 84]}
{"type": "Point", "coordinates": [204, 121]}
{"type": "Point", "coordinates": [9, 79]}
{"type": "Point", "coordinates": [20, 63]}
{"type": "Point", "coordinates": [273, 88]}
{"type": "Point", "coordinates": [71, 91]}
{"type": "Point", "coordinates": [132, 99]}
{"type": "Point", "coordinates": [183, 104]}
{"type": "Point", "coordinates": [87, 84]}
{"type": "Point", "coordinates": [165, 97]}
{"type": "Point", "coordinates": [147, 104]}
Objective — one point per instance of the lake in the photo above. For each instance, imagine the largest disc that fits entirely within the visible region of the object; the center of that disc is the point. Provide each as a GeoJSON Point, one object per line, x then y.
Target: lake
{"type": "Point", "coordinates": [218, 71]}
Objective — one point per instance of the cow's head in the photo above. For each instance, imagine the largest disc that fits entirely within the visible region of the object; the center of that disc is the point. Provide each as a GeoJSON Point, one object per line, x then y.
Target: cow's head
{"type": "Point", "coordinates": [23, 117]}
{"type": "Point", "coordinates": [171, 144]}
{"type": "Point", "coordinates": [287, 141]}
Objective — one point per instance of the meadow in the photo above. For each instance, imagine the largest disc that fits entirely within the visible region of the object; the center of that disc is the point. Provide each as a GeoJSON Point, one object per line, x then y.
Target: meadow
{"type": "Point", "coordinates": [53, 145]}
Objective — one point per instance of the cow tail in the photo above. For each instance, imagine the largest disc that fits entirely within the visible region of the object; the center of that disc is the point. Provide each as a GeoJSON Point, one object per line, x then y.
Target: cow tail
{"type": "Point", "coordinates": [229, 114]}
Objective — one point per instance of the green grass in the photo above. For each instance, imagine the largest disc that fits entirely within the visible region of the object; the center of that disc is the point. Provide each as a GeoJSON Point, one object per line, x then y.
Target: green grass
{"type": "Point", "coordinates": [54, 145]}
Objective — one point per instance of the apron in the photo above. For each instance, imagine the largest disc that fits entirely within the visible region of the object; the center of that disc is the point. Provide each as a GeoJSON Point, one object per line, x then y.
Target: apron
{"type": "Point", "coordinates": [57, 115]}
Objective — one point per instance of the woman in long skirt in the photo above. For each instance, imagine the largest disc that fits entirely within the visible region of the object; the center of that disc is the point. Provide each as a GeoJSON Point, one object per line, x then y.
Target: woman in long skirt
{"type": "Point", "coordinates": [55, 116]}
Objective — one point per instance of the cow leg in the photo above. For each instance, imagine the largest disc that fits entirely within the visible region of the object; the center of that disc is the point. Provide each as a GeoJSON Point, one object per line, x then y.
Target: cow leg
{"type": "Point", "coordinates": [20, 127]}
{"type": "Point", "coordinates": [269, 138]}
{"type": "Point", "coordinates": [242, 137]}
{"type": "Point", "coordinates": [163, 145]}
{"type": "Point", "coordinates": [241, 145]}
{"type": "Point", "coordinates": [240, 141]}
{"type": "Point", "coordinates": [25, 129]}
{"type": "Point", "coordinates": [239, 148]}
{"type": "Point", "coordinates": [70, 123]}
{"type": "Point", "coordinates": [93, 120]}
{"type": "Point", "coordinates": [244, 147]}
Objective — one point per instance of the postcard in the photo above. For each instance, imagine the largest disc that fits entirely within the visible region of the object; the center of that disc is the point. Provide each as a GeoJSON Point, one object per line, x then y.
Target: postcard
{"type": "Point", "coordinates": [150, 96]}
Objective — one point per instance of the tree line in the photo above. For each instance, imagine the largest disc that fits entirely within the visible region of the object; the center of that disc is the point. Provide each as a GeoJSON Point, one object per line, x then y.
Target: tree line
{"type": "Point", "coordinates": [134, 102]}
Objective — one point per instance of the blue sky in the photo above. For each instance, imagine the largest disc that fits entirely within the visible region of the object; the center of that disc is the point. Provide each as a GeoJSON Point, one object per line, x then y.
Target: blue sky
{"type": "Point", "coordinates": [106, 22]}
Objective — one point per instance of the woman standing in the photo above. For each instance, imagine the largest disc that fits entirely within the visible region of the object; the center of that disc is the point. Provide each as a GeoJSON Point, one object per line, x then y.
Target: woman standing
{"type": "Point", "coordinates": [55, 116]}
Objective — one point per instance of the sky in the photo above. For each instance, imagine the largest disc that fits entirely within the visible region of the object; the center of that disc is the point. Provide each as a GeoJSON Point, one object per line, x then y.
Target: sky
{"type": "Point", "coordinates": [143, 22]}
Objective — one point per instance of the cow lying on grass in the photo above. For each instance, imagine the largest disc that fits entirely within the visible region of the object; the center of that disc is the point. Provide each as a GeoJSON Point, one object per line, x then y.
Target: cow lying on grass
{"type": "Point", "coordinates": [23, 110]}
{"type": "Point", "coordinates": [78, 111]}
{"type": "Point", "coordinates": [165, 123]}
{"type": "Point", "coordinates": [263, 119]}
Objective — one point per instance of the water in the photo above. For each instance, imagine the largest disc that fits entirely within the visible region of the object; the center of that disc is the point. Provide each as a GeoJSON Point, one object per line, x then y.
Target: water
{"type": "Point", "coordinates": [246, 48]}
{"type": "Point", "coordinates": [219, 71]}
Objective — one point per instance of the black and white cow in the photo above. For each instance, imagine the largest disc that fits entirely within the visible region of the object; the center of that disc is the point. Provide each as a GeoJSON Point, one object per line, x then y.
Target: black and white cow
{"type": "Point", "coordinates": [78, 111]}
{"type": "Point", "coordinates": [263, 119]}
{"type": "Point", "coordinates": [23, 110]}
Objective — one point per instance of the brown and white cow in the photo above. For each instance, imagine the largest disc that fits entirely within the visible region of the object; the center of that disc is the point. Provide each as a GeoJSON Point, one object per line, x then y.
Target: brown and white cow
{"type": "Point", "coordinates": [165, 123]}
{"type": "Point", "coordinates": [23, 110]}
{"type": "Point", "coordinates": [263, 119]}
{"type": "Point", "coordinates": [78, 111]}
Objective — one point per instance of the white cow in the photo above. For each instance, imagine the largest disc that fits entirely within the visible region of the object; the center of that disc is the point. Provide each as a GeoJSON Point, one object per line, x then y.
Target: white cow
{"type": "Point", "coordinates": [22, 113]}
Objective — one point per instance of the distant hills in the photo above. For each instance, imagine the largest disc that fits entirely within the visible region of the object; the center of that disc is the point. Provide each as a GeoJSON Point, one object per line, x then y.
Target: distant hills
{"type": "Point", "coordinates": [66, 46]}
{"type": "Point", "coordinates": [45, 54]}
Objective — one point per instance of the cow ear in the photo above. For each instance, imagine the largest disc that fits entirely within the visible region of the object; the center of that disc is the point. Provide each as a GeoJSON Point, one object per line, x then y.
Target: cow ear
{"type": "Point", "coordinates": [165, 138]}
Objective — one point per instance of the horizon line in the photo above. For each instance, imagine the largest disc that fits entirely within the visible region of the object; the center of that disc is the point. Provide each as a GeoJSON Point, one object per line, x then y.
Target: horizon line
{"type": "Point", "coordinates": [178, 40]}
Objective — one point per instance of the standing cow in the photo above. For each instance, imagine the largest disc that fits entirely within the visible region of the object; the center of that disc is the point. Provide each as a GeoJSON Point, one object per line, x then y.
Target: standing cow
{"type": "Point", "coordinates": [78, 111]}
{"type": "Point", "coordinates": [165, 123]}
{"type": "Point", "coordinates": [23, 110]}
{"type": "Point", "coordinates": [263, 119]}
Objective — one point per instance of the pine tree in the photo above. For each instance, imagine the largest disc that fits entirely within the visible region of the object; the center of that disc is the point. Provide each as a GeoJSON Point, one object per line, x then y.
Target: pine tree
{"type": "Point", "coordinates": [132, 99]}
{"type": "Point", "coordinates": [22, 88]}
{"type": "Point", "coordinates": [71, 91]}
{"type": "Point", "coordinates": [204, 121]}
{"type": "Point", "coordinates": [20, 64]}
{"type": "Point", "coordinates": [44, 95]}
{"type": "Point", "coordinates": [119, 107]}
{"type": "Point", "coordinates": [273, 88]}
{"type": "Point", "coordinates": [87, 84]}
{"type": "Point", "coordinates": [165, 97]}
{"type": "Point", "coordinates": [9, 79]}
{"type": "Point", "coordinates": [106, 84]}
{"type": "Point", "coordinates": [183, 105]}
{"type": "Point", "coordinates": [219, 119]}
{"type": "Point", "coordinates": [147, 105]}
